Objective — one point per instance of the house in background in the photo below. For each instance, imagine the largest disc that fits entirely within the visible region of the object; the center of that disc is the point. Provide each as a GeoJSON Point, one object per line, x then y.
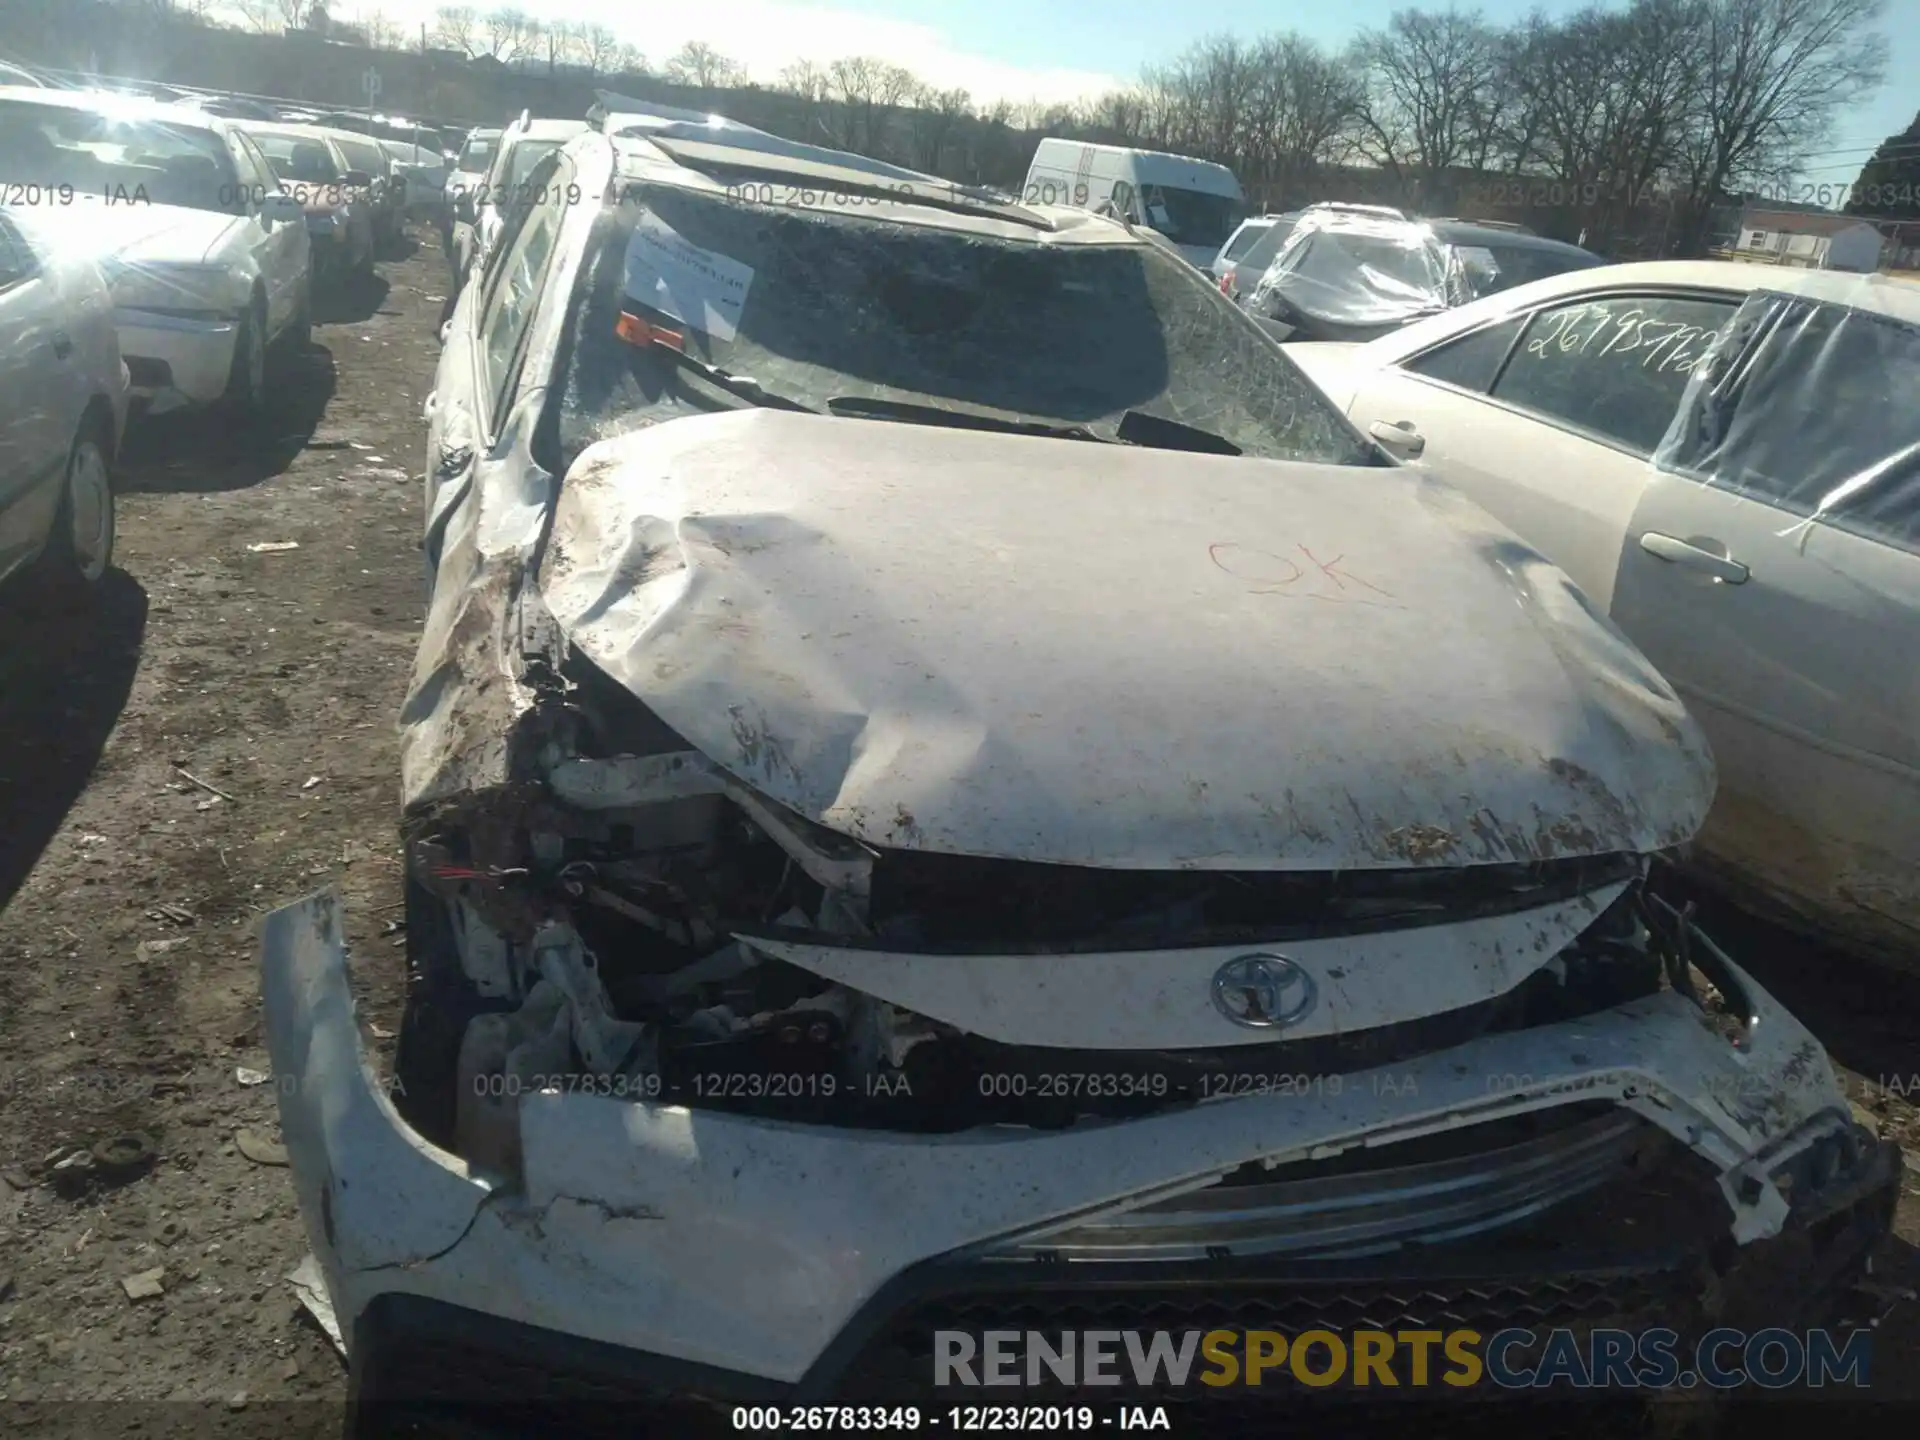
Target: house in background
{"type": "Point", "coordinates": [1809, 239]}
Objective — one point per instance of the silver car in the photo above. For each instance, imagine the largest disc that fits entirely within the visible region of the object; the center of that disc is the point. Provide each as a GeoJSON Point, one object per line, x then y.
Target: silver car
{"type": "Point", "coordinates": [63, 405]}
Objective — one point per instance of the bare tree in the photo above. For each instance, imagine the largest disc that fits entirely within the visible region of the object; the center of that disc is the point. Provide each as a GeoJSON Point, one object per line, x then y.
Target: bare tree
{"type": "Point", "coordinates": [807, 80]}
{"type": "Point", "coordinates": [1773, 75]}
{"type": "Point", "coordinates": [260, 16]}
{"type": "Point", "coordinates": [934, 122]}
{"type": "Point", "coordinates": [1597, 109]}
{"type": "Point", "coordinates": [455, 27]}
{"type": "Point", "coordinates": [698, 63]}
{"type": "Point", "coordinates": [293, 13]}
{"type": "Point", "coordinates": [867, 88]}
{"type": "Point", "coordinates": [382, 33]}
{"type": "Point", "coordinates": [1305, 102]}
{"type": "Point", "coordinates": [1431, 96]}
{"type": "Point", "coordinates": [597, 46]}
{"type": "Point", "coordinates": [505, 33]}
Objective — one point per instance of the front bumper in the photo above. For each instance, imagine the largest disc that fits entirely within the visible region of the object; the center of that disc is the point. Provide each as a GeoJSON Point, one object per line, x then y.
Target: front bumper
{"type": "Point", "coordinates": [742, 1257]}
{"type": "Point", "coordinates": [175, 361]}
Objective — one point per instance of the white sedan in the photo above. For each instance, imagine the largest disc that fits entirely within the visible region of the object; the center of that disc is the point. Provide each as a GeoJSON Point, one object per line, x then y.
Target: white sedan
{"type": "Point", "coordinates": [206, 255]}
{"type": "Point", "coordinates": [1726, 458]}
{"type": "Point", "coordinates": [63, 404]}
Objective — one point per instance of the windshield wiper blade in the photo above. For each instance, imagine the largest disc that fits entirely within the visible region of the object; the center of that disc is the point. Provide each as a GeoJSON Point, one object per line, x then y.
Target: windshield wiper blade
{"type": "Point", "coordinates": [1158, 433]}
{"type": "Point", "coordinates": [865, 407]}
{"type": "Point", "coordinates": [744, 386]}
{"type": "Point", "coordinates": [1136, 427]}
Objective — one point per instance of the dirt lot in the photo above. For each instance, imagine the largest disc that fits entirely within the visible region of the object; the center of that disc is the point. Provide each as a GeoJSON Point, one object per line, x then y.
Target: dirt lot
{"type": "Point", "coordinates": [128, 993]}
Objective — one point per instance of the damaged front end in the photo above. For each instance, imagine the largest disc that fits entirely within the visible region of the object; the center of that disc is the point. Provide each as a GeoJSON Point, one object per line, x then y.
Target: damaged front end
{"type": "Point", "coordinates": [780, 995]}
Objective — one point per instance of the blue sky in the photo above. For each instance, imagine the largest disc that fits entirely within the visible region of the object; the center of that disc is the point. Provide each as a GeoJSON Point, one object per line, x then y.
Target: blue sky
{"type": "Point", "coordinates": [1117, 36]}
{"type": "Point", "coordinates": [1059, 49]}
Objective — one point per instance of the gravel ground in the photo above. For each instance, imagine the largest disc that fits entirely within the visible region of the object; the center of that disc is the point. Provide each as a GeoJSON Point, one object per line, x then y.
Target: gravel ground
{"type": "Point", "coordinates": [128, 968]}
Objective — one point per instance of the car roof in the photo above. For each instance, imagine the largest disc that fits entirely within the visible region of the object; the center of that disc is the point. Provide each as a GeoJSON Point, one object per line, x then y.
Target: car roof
{"type": "Point", "coordinates": [134, 107]}
{"type": "Point", "coordinates": [679, 153]}
{"type": "Point", "coordinates": [1886, 293]}
{"type": "Point", "coordinates": [1465, 232]}
{"type": "Point", "coordinates": [1882, 294]}
{"type": "Point", "coordinates": [287, 127]}
{"type": "Point", "coordinates": [538, 129]}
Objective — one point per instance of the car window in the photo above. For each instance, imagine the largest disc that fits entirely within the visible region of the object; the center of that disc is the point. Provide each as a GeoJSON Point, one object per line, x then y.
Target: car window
{"type": "Point", "coordinates": [364, 156]}
{"type": "Point", "coordinates": [162, 163]}
{"type": "Point", "coordinates": [1493, 268]}
{"type": "Point", "coordinates": [1266, 245]}
{"type": "Point", "coordinates": [1191, 217]}
{"type": "Point", "coordinates": [526, 155]}
{"type": "Point", "coordinates": [516, 291]}
{"type": "Point", "coordinates": [1613, 367]}
{"type": "Point", "coordinates": [1813, 408]}
{"type": "Point", "coordinates": [296, 159]}
{"type": "Point", "coordinates": [1243, 240]}
{"type": "Point", "coordinates": [476, 155]}
{"type": "Point", "coordinates": [1472, 361]}
{"type": "Point", "coordinates": [825, 305]}
{"type": "Point", "coordinates": [256, 171]}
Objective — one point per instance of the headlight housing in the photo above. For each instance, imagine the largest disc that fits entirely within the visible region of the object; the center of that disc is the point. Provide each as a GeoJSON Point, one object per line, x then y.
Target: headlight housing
{"type": "Point", "coordinates": [199, 292]}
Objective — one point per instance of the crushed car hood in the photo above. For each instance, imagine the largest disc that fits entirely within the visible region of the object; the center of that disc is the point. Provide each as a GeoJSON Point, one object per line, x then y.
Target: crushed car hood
{"type": "Point", "coordinates": [1060, 651]}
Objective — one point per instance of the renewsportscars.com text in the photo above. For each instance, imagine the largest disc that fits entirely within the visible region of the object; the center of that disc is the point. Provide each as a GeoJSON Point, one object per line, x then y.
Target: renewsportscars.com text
{"type": "Point", "coordinates": [1511, 1359]}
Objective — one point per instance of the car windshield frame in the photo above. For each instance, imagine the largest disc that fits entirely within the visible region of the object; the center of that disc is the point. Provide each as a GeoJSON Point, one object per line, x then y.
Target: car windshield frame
{"type": "Point", "coordinates": [68, 160]}
{"type": "Point", "coordinates": [1074, 335]}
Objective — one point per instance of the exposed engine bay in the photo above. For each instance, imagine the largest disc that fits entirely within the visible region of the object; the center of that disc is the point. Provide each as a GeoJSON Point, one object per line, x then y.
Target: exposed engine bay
{"type": "Point", "coordinates": [597, 932]}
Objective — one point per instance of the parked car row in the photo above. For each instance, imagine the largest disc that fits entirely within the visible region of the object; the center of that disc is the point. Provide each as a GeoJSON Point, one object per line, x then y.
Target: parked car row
{"type": "Point", "coordinates": [890, 644]}
{"type": "Point", "coordinates": [158, 254]}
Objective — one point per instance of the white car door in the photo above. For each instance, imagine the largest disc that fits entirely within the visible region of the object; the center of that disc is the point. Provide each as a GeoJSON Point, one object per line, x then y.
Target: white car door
{"type": "Point", "coordinates": [36, 416]}
{"type": "Point", "coordinates": [1773, 574]}
{"type": "Point", "coordinates": [1548, 417]}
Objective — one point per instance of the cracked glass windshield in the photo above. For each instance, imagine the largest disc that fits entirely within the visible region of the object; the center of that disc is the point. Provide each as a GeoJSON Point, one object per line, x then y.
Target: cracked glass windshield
{"type": "Point", "coordinates": [841, 308]}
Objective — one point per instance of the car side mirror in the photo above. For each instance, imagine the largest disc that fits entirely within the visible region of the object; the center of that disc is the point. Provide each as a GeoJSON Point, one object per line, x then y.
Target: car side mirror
{"type": "Point", "coordinates": [281, 209]}
{"type": "Point", "coordinates": [358, 179]}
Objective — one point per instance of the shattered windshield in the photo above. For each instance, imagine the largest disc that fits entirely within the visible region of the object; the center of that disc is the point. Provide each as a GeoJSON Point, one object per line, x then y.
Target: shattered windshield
{"type": "Point", "coordinates": [819, 306]}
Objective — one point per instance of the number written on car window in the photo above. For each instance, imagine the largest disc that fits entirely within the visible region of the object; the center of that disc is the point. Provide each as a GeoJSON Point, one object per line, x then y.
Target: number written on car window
{"type": "Point", "coordinates": [1613, 367]}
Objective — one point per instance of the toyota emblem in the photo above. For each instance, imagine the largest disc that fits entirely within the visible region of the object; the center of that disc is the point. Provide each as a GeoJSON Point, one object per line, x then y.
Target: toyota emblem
{"type": "Point", "coordinates": [1262, 991]}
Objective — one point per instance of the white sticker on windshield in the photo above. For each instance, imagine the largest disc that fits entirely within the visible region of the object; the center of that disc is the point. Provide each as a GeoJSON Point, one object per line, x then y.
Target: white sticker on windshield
{"type": "Point", "coordinates": [702, 288]}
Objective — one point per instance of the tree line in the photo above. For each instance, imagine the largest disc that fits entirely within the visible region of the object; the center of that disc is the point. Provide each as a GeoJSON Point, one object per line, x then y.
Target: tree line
{"type": "Point", "coordinates": [1611, 122]}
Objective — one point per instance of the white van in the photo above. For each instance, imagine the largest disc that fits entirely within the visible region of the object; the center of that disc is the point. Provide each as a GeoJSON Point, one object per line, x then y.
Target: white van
{"type": "Point", "coordinates": [1194, 203]}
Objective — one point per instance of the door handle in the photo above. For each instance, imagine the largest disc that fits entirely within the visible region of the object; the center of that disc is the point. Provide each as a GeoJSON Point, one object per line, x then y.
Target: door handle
{"type": "Point", "coordinates": [1398, 435]}
{"type": "Point", "coordinates": [1680, 552]}
{"type": "Point", "coordinates": [62, 345]}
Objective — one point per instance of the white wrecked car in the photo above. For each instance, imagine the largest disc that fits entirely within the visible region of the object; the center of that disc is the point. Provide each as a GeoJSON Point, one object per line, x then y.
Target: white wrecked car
{"type": "Point", "coordinates": [945, 786]}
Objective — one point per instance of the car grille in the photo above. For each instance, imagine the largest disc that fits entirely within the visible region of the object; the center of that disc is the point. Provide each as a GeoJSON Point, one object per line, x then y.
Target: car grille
{"type": "Point", "coordinates": [1394, 1201]}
